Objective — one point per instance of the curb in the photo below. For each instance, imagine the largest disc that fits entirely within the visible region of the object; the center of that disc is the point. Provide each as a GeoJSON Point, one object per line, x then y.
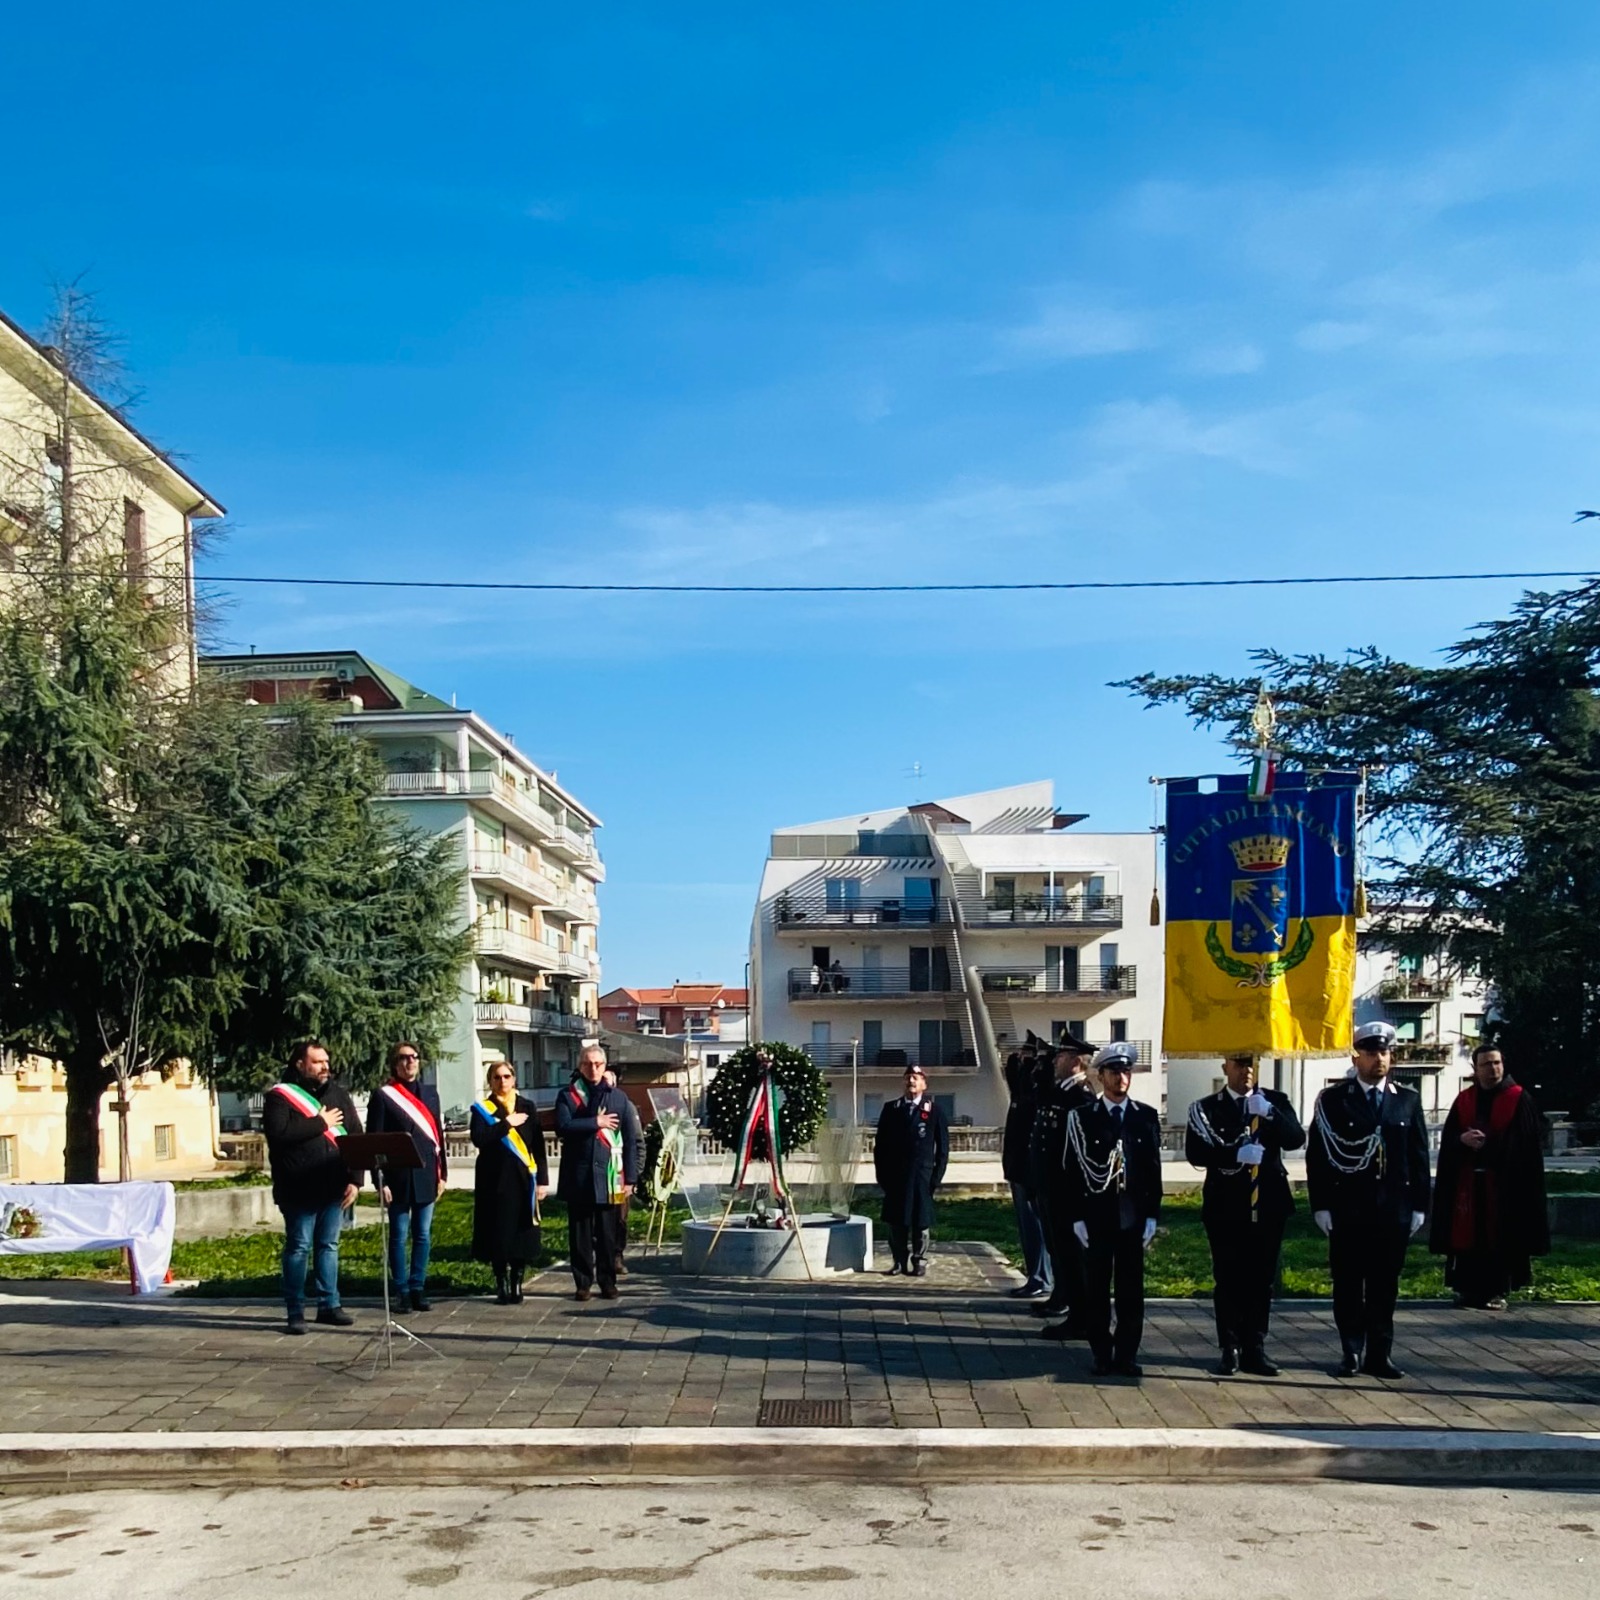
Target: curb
{"type": "Point", "coordinates": [357, 1458]}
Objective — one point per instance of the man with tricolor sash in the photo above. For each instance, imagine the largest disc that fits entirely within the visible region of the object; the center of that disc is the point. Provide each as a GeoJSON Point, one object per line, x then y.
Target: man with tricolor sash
{"type": "Point", "coordinates": [1238, 1136]}
{"type": "Point", "coordinates": [404, 1104]}
{"type": "Point", "coordinates": [305, 1118]}
{"type": "Point", "coordinates": [602, 1145]}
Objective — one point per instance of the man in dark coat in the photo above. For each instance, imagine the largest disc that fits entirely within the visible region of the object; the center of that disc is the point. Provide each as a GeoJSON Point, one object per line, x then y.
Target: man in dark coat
{"type": "Point", "coordinates": [1367, 1169]}
{"type": "Point", "coordinates": [1489, 1215]}
{"type": "Point", "coordinates": [909, 1157]}
{"type": "Point", "coordinates": [1023, 1085]}
{"type": "Point", "coordinates": [1238, 1136]}
{"type": "Point", "coordinates": [1047, 1165]}
{"type": "Point", "coordinates": [405, 1104]}
{"type": "Point", "coordinates": [601, 1150]}
{"type": "Point", "coordinates": [304, 1119]}
{"type": "Point", "coordinates": [1114, 1200]}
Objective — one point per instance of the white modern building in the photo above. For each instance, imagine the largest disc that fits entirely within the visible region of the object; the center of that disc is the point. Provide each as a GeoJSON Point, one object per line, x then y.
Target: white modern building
{"type": "Point", "coordinates": [529, 863]}
{"type": "Point", "coordinates": [944, 934]}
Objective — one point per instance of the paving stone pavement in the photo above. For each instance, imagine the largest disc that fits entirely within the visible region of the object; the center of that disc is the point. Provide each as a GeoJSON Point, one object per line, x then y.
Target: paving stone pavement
{"type": "Point", "coordinates": [949, 1350]}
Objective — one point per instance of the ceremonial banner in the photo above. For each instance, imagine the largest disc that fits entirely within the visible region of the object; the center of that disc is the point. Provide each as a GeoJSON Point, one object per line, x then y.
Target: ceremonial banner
{"type": "Point", "coordinates": [1261, 921]}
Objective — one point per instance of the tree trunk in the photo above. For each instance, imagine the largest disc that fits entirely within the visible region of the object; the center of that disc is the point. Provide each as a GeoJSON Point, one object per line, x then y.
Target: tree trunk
{"type": "Point", "coordinates": [86, 1083]}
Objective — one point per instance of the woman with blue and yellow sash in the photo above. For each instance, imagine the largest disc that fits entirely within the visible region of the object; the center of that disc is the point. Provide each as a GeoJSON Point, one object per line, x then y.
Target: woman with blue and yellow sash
{"type": "Point", "coordinates": [511, 1178]}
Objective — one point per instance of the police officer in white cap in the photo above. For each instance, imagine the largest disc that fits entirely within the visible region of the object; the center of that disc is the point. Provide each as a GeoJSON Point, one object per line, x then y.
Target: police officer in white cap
{"type": "Point", "coordinates": [1113, 1169]}
{"type": "Point", "coordinates": [1367, 1169]}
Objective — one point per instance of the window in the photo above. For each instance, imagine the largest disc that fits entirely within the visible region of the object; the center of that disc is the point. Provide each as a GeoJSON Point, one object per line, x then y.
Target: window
{"type": "Point", "coordinates": [133, 537]}
{"type": "Point", "coordinates": [1119, 1029]}
{"type": "Point", "coordinates": [871, 1042]}
{"type": "Point", "coordinates": [713, 1062]}
{"type": "Point", "coordinates": [8, 1155]}
{"type": "Point", "coordinates": [871, 1107]}
{"type": "Point", "coordinates": [1003, 895]}
{"type": "Point", "coordinates": [166, 1142]}
{"type": "Point", "coordinates": [842, 893]}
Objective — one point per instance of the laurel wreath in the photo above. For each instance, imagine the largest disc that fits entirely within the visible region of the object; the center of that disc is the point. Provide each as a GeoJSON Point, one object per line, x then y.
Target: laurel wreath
{"type": "Point", "coordinates": [1260, 974]}
{"type": "Point", "coordinates": [805, 1096]}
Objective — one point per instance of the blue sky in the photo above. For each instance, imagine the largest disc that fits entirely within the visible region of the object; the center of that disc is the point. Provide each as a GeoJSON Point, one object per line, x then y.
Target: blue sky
{"type": "Point", "coordinates": [837, 293]}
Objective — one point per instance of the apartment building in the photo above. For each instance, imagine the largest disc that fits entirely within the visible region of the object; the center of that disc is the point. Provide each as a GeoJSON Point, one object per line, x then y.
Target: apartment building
{"type": "Point", "coordinates": [58, 440]}
{"type": "Point", "coordinates": [708, 1022]}
{"type": "Point", "coordinates": [530, 865]}
{"type": "Point", "coordinates": [944, 934]}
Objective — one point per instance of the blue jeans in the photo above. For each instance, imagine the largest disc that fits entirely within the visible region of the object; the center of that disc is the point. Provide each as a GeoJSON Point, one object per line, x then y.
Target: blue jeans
{"type": "Point", "coordinates": [313, 1233]}
{"type": "Point", "coordinates": [413, 1223]}
{"type": "Point", "coordinates": [1031, 1234]}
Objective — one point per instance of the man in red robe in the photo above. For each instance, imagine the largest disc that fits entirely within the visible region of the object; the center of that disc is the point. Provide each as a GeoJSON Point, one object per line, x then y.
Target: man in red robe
{"type": "Point", "coordinates": [1488, 1212]}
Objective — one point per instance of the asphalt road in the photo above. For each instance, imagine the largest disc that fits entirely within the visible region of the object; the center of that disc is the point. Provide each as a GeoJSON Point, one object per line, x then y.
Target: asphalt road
{"type": "Point", "coordinates": [716, 1539]}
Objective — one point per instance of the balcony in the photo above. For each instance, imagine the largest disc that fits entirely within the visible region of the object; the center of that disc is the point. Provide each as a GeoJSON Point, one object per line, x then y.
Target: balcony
{"type": "Point", "coordinates": [1407, 1052]}
{"type": "Point", "coordinates": [889, 1058]}
{"type": "Point", "coordinates": [531, 1019]}
{"type": "Point", "coordinates": [518, 873]}
{"type": "Point", "coordinates": [499, 794]}
{"type": "Point", "coordinates": [1060, 910]}
{"type": "Point", "coordinates": [574, 847]}
{"type": "Point", "coordinates": [519, 947]}
{"type": "Point", "coordinates": [1088, 983]}
{"type": "Point", "coordinates": [867, 983]}
{"type": "Point", "coordinates": [806, 913]}
{"type": "Point", "coordinates": [574, 964]}
{"type": "Point", "coordinates": [1415, 989]}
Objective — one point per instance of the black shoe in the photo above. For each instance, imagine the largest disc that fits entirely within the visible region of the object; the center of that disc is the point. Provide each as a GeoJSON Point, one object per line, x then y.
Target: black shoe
{"type": "Point", "coordinates": [894, 1271]}
{"type": "Point", "coordinates": [1228, 1363]}
{"type": "Point", "coordinates": [399, 1305]}
{"type": "Point", "coordinates": [335, 1316]}
{"type": "Point", "coordinates": [1049, 1308]}
{"type": "Point", "coordinates": [1382, 1367]}
{"type": "Point", "coordinates": [1101, 1369]}
{"type": "Point", "coordinates": [611, 1292]}
{"type": "Point", "coordinates": [1260, 1365]}
{"type": "Point", "coordinates": [920, 1270]}
{"type": "Point", "coordinates": [584, 1294]}
{"type": "Point", "coordinates": [1349, 1365]}
{"type": "Point", "coordinates": [420, 1302]}
{"type": "Point", "coordinates": [1127, 1369]}
{"type": "Point", "coordinates": [516, 1290]}
{"type": "Point", "coordinates": [1026, 1291]}
{"type": "Point", "coordinates": [1061, 1333]}
{"type": "Point", "coordinates": [296, 1323]}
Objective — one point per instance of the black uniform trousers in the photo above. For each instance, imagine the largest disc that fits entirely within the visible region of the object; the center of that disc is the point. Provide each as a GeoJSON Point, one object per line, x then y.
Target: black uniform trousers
{"type": "Point", "coordinates": [1114, 1254]}
{"type": "Point", "coordinates": [908, 1246]}
{"type": "Point", "coordinates": [594, 1242]}
{"type": "Point", "coordinates": [1244, 1260]}
{"type": "Point", "coordinates": [1365, 1258]}
{"type": "Point", "coordinates": [1066, 1256]}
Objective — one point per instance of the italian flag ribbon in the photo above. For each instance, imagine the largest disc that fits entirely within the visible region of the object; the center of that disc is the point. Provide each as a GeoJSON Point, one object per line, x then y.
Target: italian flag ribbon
{"type": "Point", "coordinates": [1263, 774]}
{"type": "Point", "coordinates": [611, 1139]}
{"type": "Point", "coordinates": [761, 1115]}
{"type": "Point", "coordinates": [413, 1107]}
{"type": "Point", "coordinates": [512, 1139]}
{"type": "Point", "coordinates": [309, 1104]}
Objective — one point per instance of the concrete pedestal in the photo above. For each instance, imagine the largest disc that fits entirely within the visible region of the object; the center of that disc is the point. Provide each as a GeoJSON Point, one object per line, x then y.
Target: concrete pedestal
{"type": "Point", "coordinates": [831, 1246]}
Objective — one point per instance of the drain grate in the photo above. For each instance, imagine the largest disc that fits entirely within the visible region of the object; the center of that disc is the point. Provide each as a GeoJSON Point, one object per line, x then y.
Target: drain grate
{"type": "Point", "coordinates": [804, 1414]}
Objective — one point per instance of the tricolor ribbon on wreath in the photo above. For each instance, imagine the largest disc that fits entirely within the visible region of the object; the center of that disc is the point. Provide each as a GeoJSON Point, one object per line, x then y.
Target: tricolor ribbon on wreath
{"type": "Point", "coordinates": [761, 1115]}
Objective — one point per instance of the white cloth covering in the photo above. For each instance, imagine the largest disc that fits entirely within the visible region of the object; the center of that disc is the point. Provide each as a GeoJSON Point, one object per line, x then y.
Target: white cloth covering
{"type": "Point", "coordinates": [97, 1216]}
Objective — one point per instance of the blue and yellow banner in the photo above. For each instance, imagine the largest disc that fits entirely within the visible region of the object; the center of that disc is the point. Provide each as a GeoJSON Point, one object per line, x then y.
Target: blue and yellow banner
{"type": "Point", "coordinates": [1261, 916]}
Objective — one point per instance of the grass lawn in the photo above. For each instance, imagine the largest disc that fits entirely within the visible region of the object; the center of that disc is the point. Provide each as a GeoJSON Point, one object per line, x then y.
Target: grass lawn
{"type": "Point", "coordinates": [1179, 1263]}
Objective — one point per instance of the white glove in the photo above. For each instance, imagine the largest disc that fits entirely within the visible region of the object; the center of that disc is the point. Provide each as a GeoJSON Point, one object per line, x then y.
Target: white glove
{"type": "Point", "coordinates": [1257, 1104]}
{"type": "Point", "coordinates": [1149, 1231]}
{"type": "Point", "coordinates": [1324, 1220]}
{"type": "Point", "coordinates": [1081, 1229]}
{"type": "Point", "coordinates": [1417, 1219]}
{"type": "Point", "coordinates": [1250, 1155]}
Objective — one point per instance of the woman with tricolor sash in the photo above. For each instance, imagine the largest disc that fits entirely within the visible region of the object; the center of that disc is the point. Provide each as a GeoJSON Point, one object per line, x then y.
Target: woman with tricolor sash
{"type": "Point", "coordinates": [511, 1178]}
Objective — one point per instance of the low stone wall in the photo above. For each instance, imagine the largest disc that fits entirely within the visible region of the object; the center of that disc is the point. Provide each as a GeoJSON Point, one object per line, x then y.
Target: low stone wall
{"type": "Point", "coordinates": [1576, 1215]}
{"type": "Point", "coordinates": [212, 1213]}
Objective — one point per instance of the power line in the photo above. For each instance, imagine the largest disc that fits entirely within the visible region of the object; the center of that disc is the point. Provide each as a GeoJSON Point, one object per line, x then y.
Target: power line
{"type": "Point", "coordinates": [888, 588]}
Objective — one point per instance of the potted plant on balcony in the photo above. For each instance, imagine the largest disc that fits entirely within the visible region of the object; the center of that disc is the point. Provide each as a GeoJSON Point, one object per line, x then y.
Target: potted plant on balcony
{"type": "Point", "coordinates": [1032, 908]}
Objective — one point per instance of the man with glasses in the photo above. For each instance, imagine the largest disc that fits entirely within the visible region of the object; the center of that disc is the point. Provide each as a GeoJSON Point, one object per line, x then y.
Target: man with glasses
{"type": "Point", "coordinates": [1367, 1169]}
{"type": "Point", "coordinates": [407, 1105]}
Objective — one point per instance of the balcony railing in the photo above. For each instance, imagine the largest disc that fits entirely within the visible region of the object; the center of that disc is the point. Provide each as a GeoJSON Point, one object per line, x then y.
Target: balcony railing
{"type": "Point", "coordinates": [1438, 1054]}
{"type": "Point", "coordinates": [510, 868]}
{"type": "Point", "coordinates": [531, 1019]}
{"type": "Point", "coordinates": [1022, 981]}
{"type": "Point", "coordinates": [479, 783]}
{"type": "Point", "coordinates": [1058, 911]}
{"type": "Point", "coordinates": [522, 947]}
{"type": "Point", "coordinates": [865, 983]}
{"type": "Point", "coordinates": [801, 913]}
{"type": "Point", "coordinates": [891, 1058]}
{"type": "Point", "coordinates": [1416, 988]}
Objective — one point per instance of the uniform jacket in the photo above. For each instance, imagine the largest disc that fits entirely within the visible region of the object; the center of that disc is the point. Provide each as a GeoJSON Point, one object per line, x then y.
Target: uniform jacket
{"type": "Point", "coordinates": [308, 1172]}
{"type": "Point", "coordinates": [1024, 1083]}
{"type": "Point", "coordinates": [1047, 1151]}
{"type": "Point", "coordinates": [1218, 1125]}
{"type": "Point", "coordinates": [1141, 1146]}
{"type": "Point", "coordinates": [912, 1146]}
{"type": "Point", "coordinates": [1389, 1190]}
{"type": "Point", "coordinates": [411, 1186]}
{"type": "Point", "coordinates": [582, 1178]}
